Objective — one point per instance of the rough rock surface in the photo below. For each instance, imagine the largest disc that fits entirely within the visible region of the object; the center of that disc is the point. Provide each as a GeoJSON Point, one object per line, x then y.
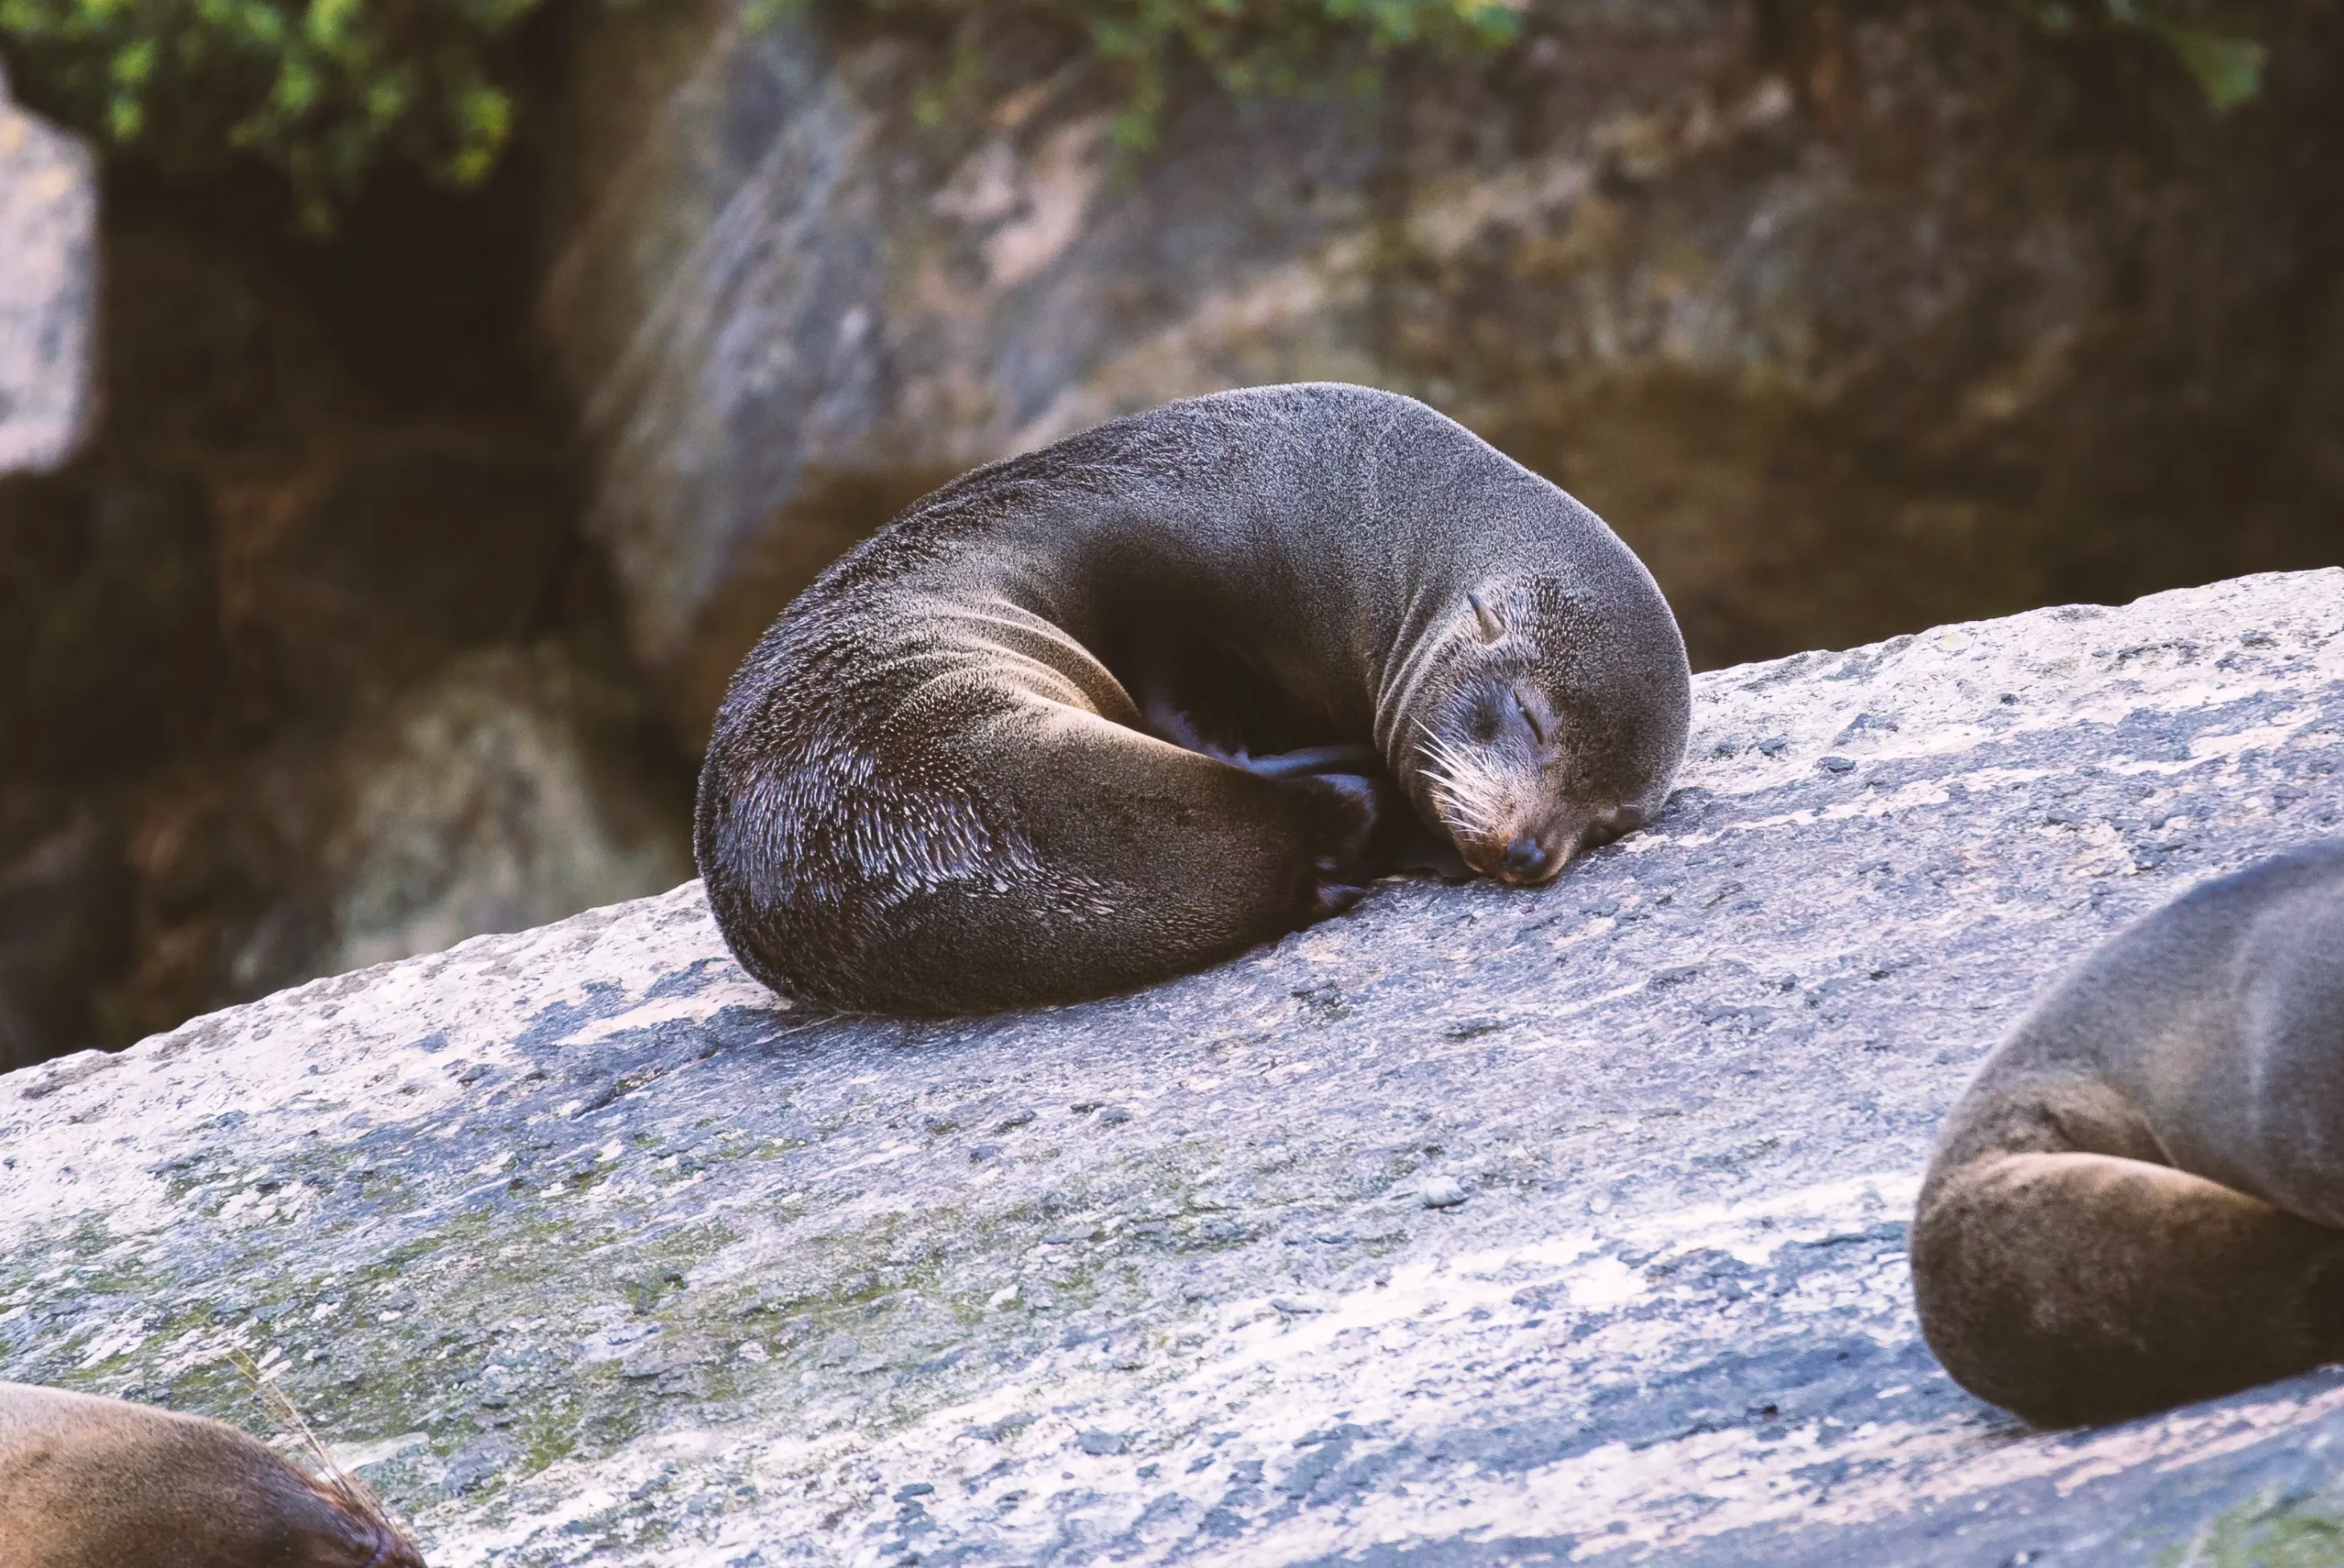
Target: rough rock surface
{"type": "Point", "coordinates": [49, 289]}
{"type": "Point", "coordinates": [1849, 329]}
{"type": "Point", "coordinates": [1477, 1226]}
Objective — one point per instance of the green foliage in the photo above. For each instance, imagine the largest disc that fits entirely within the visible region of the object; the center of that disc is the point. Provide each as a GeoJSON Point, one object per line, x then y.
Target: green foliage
{"type": "Point", "coordinates": [329, 91]}
{"type": "Point", "coordinates": [325, 90]}
{"type": "Point", "coordinates": [1249, 46]}
{"type": "Point", "coordinates": [2227, 65]}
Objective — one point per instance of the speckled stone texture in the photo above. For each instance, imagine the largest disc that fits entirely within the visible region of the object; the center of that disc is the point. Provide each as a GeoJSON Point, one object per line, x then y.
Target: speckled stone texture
{"type": "Point", "coordinates": [1478, 1226]}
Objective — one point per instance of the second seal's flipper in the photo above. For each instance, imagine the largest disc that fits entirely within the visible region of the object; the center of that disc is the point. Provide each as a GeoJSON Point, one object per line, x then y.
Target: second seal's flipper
{"type": "Point", "coordinates": [2075, 1287]}
{"type": "Point", "coordinates": [1362, 761]}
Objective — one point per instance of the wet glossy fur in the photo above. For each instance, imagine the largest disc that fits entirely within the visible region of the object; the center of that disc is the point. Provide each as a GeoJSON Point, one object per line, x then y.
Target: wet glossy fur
{"type": "Point", "coordinates": [90, 1482]}
{"type": "Point", "coordinates": [1025, 745]}
{"type": "Point", "coordinates": [2140, 1200]}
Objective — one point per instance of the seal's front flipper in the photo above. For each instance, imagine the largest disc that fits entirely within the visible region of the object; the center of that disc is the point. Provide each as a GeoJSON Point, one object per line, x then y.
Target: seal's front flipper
{"type": "Point", "coordinates": [2074, 1287]}
{"type": "Point", "coordinates": [1403, 842]}
{"type": "Point", "coordinates": [1364, 815]}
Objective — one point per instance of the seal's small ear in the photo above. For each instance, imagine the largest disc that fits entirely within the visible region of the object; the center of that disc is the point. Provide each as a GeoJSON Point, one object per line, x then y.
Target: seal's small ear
{"type": "Point", "coordinates": [1488, 624]}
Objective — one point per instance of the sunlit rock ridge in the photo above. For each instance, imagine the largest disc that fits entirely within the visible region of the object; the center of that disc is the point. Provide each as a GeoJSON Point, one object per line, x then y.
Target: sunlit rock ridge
{"type": "Point", "coordinates": [1478, 1226]}
{"type": "Point", "coordinates": [48, 221]}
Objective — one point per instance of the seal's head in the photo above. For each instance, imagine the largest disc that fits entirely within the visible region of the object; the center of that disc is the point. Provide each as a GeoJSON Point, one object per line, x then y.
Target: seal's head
{"type": "Point", "coordinates": [1550, 718]}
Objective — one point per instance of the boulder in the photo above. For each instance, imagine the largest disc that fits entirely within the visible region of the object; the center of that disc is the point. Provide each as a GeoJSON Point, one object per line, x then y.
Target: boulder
{"type": "Point", "coordinates": [49, 289]}
{"type": "Point", "coordinates": [1476, 1226]}
{"type": "Point", "coordinates": [1847, 329]}
{"type": "Point", "coordinates": [300, 668]}
{"type": "Point", "coordinates": [503, 793]}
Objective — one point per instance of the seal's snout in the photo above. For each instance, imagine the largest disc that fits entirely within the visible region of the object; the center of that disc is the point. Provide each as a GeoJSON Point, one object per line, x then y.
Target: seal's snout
{"type": "Point", "coordinates": [1527, 861]}
{"type": "Point", "coordinates": [1533, 855]}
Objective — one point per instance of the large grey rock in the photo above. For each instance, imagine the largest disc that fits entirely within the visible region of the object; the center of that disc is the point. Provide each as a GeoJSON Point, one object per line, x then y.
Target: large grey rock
{"type": "Point", "coordinates": [49, 289]}
{"type": "Point", "coordinates": [1846, 332]}
{"type": "Point", "coordinates": [1477, 1226]}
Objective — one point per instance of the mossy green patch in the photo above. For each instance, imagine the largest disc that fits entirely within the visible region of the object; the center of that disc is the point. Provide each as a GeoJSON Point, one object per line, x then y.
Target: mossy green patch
{"type": "Point", "coordinates": [2293, 1531]}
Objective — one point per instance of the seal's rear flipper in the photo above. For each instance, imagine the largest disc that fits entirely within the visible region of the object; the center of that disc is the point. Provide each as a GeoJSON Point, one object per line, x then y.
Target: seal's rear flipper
{"type": "Point", "coordinates": [2074, 1287]}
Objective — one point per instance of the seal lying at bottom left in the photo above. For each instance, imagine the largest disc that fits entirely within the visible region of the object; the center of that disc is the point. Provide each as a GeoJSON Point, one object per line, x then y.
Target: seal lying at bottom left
{"type": "Point", "coordinates": [90, 1482]}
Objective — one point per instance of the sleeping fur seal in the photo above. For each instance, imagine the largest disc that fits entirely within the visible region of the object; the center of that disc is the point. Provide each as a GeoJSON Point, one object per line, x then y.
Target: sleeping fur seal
{"type": "Point", "coordinates": [1119, 708]}
{"type": "Point", "coordinates": [2140, 1200]}
{"type": "Point", "coordinates": [88, 1482]}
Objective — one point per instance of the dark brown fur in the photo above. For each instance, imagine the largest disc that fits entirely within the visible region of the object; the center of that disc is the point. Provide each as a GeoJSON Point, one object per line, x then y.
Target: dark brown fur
{"type": "Point", "coordinates": [1120, 708]}
{"type": "Point", "coordinates": [88, 1482]}
{"type": "Point", "coordinates": [2138, 1202]}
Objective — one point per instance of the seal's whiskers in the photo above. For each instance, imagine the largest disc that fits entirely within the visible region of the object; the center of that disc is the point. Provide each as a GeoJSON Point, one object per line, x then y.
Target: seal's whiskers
{"type": "Point", "coordinates": [1465, 789]}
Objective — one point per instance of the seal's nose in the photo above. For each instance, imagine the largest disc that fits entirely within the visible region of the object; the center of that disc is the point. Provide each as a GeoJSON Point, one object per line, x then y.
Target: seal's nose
{"type": "Point", "coordinates": [1525, 860]}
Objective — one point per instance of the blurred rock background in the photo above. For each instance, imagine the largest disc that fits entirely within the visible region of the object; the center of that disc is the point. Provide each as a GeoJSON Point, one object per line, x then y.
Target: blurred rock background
{"type": "Point", "coordinates": [304, 665]}
{"type": "Point", "coordinates": [391, 593]}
